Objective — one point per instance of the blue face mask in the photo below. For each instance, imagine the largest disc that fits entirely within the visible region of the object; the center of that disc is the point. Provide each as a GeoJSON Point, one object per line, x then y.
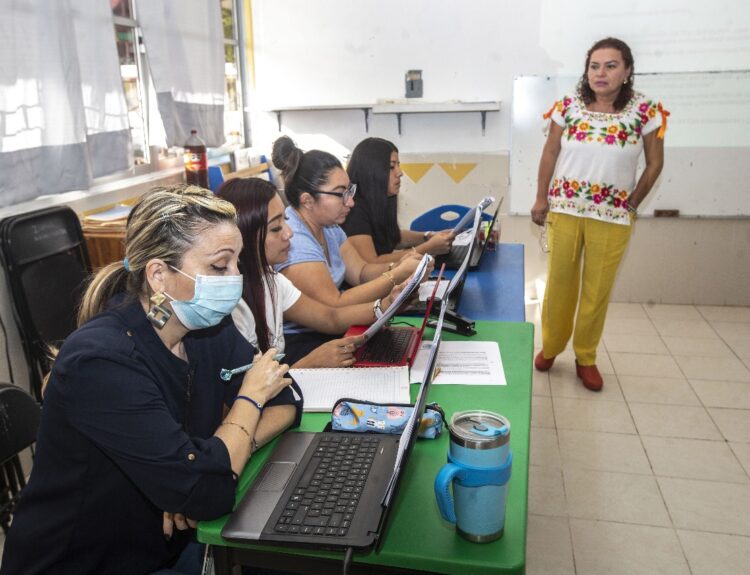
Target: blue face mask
{"type": "Point", "coordinates": [214, 298]}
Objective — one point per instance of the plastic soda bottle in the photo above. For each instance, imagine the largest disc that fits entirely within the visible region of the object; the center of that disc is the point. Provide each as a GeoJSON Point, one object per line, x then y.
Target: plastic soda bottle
{"type": "Point", "coordinates": [196, 161]}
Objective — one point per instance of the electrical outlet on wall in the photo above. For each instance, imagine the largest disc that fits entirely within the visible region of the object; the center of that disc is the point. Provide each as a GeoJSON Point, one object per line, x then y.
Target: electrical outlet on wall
{"type": "Point", "coordinates": [414, 84]}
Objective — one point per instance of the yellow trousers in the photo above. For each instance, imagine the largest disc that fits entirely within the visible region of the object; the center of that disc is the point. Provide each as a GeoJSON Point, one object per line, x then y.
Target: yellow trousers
{"type": "Point", "coordinates": [600, 245]}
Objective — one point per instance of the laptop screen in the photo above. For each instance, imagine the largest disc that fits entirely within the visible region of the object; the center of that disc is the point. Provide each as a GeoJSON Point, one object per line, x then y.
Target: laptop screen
{"type": "Point", "coordinates": [460, 275]}
{"type": "Point", "coordinates": [409, 435]}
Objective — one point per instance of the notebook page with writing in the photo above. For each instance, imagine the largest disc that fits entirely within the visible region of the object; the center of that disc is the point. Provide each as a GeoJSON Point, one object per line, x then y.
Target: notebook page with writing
{"type": "Point", "coordinates": [322, 387]}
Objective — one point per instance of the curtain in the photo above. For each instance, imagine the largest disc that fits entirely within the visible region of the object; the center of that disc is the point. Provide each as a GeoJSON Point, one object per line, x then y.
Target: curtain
{"type": "Point", "coordinates": [185, 50]}
{"type": "Point", "coordinates": [63, 117]}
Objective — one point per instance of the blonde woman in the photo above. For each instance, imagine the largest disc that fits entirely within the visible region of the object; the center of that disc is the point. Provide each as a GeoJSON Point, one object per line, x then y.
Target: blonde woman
{"type": "Point", "coordinates": [139, 435]}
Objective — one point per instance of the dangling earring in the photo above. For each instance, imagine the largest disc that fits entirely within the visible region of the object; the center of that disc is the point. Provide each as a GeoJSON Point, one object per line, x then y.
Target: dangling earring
{"type": "Point", "coordinates": [158, 315]}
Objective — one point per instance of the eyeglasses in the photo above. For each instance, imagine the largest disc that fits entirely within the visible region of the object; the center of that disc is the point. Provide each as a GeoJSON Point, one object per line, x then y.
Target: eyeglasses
{"type": "Point", "coordinates": [543, 241]}
{"type": "Point", "coordinates": [345, 196]}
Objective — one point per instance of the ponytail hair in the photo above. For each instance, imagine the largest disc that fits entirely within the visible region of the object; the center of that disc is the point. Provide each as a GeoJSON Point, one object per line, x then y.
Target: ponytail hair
{"type": "Point", "coordinates": [164, 224]}
{"type": "Point", "coordinates": [301, 171]}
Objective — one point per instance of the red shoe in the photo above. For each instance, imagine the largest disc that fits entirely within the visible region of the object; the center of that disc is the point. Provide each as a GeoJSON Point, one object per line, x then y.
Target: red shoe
{"type": "Point", "coordinates": [590, 377]}
{"type": "Point", "coordinates": [541, 363]}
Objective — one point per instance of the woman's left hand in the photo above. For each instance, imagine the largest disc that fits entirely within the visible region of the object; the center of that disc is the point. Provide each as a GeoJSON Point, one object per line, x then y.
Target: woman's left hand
{"type": "Point", "coordinates": [172, 520]}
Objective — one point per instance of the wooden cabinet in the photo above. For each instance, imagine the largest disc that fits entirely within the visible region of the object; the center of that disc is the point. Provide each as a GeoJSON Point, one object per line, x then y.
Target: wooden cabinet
{"type": "Point", "coordinates": [105, 246]}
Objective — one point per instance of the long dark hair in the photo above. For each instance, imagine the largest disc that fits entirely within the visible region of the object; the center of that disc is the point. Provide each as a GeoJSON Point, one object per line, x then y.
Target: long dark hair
{"type": "Point", "coordinates": [370, 168]}
{"type": "Point", "coordinates": [250, 197]}
{"type": "Point", "coordinates": [626, 90]}
{"type": "Point", "coordinates": [301, 171]}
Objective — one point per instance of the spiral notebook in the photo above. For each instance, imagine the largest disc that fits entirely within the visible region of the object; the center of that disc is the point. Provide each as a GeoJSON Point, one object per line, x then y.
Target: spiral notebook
{"type": "Point", "coordinates": [322, 387]}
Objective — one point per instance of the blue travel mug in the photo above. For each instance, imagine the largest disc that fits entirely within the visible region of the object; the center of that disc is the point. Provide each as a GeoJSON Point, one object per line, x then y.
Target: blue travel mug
{"type": "Point", "coordinates": [478, 468]}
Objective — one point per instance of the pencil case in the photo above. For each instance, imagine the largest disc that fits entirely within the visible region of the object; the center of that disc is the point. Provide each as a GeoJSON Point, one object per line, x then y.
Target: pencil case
{"type": "Point", "coordinates": [355, 415]}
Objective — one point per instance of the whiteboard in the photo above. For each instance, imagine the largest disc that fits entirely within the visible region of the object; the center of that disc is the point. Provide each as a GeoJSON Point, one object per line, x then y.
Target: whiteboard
{"type": "Point", "coordinates": [707, 145]}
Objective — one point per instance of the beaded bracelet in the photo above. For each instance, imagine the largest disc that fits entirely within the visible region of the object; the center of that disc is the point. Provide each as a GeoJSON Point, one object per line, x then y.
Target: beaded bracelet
{"type": "Point", "coordinates": [242, 427]}
{"type": "Point", "coordinates": [251, 400]}
{"type": "Point", "coordinates": [389, 275]}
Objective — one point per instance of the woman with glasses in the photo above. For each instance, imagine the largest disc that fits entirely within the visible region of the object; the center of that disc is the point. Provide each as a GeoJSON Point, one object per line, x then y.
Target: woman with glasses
{"type": "Point", "coordinates": [269, 297]}
{"type": "Point", "coordinates": [321, 259]}
{"type": "Point", "coordinates": [588, 195]}
{"type": "Point", "coordinates": [372, 225]}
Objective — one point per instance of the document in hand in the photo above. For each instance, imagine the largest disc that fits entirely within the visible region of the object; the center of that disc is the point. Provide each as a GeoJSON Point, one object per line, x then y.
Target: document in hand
{"type": "Point", "coordinates": [468, 216]}
{"type": "Point", "coordinates": [414, 280]}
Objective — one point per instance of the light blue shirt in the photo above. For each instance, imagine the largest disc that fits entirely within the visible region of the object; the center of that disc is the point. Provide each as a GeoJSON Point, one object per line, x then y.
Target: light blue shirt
{"type": "Point", "coordinates": [305, 248]}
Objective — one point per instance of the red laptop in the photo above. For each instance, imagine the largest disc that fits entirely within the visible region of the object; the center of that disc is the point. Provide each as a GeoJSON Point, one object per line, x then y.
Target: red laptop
{"type": "Point", "coordinates": [392, 345]}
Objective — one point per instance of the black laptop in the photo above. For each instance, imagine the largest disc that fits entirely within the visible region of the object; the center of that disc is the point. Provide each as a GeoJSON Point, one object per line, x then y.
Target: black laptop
{"type": "Point", "coordinates": [328, 489]}
{"type": "Point", "coordinates": [456, 256]}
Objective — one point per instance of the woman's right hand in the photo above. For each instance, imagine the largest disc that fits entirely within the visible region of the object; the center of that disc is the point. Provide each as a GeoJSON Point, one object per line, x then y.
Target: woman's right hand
{"type": "Point", "coordinates": [539, 211]}
{"type": "Point", "coordinates": [266, 378]}
{"type": "Point", "coordinates": [406, 266]}
{"type": "Point", "coordinates": [439, 243]}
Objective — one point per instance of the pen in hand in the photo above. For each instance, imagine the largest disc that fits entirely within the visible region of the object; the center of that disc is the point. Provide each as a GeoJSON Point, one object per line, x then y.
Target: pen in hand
{"type": "Point", "coordinates": [226, 374]}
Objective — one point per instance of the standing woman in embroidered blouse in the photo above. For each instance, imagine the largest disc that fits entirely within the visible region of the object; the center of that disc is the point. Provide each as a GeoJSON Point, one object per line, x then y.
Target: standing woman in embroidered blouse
{"type": "Point", "coordinates": [588, 196]}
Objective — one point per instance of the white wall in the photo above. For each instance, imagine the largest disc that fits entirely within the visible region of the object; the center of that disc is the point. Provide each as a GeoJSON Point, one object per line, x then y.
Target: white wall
{"type": "Point", "coordinates": [343, 52]}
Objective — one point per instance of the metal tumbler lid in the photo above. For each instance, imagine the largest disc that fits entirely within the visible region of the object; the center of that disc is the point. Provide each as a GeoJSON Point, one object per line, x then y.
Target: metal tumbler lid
{"type": "Point", "coordinates": [478, 429]}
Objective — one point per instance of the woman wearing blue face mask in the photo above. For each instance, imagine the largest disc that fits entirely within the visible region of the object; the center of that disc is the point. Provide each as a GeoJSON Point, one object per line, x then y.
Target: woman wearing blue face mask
{"type": "Point", "coordinates": [140, 436]}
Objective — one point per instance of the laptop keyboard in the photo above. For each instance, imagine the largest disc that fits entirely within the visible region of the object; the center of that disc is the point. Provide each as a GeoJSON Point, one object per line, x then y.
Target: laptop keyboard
{"type": "Point", "coordinates": [326, 496]}
{"type": "Point", "coordinates": [389, 345]}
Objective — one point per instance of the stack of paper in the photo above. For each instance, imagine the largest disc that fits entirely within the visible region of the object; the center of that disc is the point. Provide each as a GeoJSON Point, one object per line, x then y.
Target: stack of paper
{"type": "Point", "coordinates": [113, 219]}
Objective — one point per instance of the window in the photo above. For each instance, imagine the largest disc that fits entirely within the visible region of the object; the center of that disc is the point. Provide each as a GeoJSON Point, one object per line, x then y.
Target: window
{"type": "Point", "coordinates": [233, 128]}
{"type": "Point", "coordinates": [146, 129]}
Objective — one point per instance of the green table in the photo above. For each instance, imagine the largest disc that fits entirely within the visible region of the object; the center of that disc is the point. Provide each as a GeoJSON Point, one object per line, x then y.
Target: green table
{"type": "Point", "coordinates": [417, 539]}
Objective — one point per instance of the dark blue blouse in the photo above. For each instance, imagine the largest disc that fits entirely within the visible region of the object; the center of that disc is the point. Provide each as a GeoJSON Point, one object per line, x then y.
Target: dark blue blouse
{"type": "Point", "coordinates": [127, 433]}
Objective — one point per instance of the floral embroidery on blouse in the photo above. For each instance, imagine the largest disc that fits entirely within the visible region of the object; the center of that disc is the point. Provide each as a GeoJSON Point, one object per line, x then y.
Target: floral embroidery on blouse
{"type": "Point", "coordinates": [601, 199]}
{"type": "Point", "coordinates": [613, 131]}
{"type": "Point", "coordinates": [596, 170]}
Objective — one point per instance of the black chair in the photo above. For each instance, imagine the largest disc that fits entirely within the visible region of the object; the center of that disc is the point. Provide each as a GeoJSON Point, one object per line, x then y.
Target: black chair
{"type": "Point", "coordinates": [46, 266]}
{"type": "Point", "coordinates": [19, 421]}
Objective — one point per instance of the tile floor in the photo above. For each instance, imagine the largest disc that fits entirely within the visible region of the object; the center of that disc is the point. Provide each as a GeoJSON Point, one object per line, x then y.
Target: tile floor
{"type": "Point", "coordinates": [652, 475]}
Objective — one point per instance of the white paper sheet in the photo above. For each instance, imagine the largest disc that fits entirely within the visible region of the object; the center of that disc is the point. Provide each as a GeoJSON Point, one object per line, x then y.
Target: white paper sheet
{"type": "Point", "coordinates": [463, 363]}
{"type": "Point", "coordinates": [324, 386]}
{"type": "Point", "coordinates": [425, 289]}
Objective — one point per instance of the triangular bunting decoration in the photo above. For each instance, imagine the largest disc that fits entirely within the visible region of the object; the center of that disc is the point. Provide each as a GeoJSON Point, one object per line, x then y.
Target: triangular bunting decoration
{"type": "Point", "coordinates": [416, 171]}
{"type": "Point", "coordinates": [457, 172]}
